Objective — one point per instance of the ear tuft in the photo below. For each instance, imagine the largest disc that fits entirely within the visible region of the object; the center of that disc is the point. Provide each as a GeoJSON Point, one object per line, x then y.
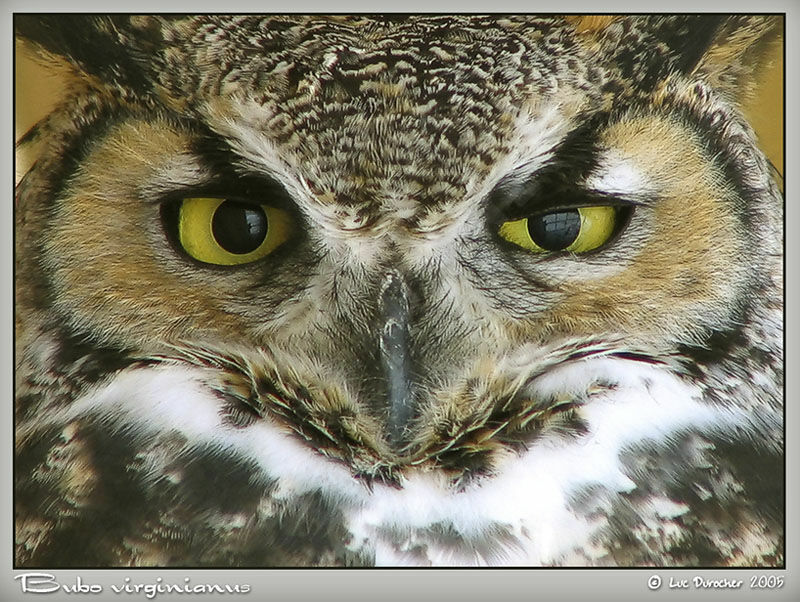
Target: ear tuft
{"type": "Point", "coordinates": [590, 23]}
{"type": "Point", "coordinates": [114, 49]}
{"type": "Point", "coordinates": [744, 46]}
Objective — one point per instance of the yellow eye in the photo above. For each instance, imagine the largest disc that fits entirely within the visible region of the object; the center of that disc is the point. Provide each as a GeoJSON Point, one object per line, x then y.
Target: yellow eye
{"type": "Point", "coordinates": [573, 230]}
{"type": "Point", "coordinates": [228, 232]}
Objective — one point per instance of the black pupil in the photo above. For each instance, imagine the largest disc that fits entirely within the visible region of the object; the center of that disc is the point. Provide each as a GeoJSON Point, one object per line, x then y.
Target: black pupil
{"type": "Point", "coordinates": [555, 231]}
{"type": "Point", "coordinates": [239, 227]}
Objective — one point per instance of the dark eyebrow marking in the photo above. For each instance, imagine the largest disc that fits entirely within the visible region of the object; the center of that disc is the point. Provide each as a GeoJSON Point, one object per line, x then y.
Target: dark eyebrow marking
{"type": "Point", "coordinates": [555, 184]}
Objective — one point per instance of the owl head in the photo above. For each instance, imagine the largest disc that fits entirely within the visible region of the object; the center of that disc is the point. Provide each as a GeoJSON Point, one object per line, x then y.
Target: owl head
{"type": "Point", "coordinates": [418, 247]}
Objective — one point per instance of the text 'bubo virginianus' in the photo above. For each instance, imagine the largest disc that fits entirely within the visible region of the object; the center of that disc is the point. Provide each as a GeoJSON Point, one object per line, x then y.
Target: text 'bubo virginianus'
{"type": "Point", "coordinates": [436, 290]}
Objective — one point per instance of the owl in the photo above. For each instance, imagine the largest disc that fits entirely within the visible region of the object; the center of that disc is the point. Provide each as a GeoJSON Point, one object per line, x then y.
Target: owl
{"type": "Point", "coordinates": [382, 290]}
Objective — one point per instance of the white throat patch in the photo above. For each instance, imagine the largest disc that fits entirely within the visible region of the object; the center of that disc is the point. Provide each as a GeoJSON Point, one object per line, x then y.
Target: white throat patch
{"type": "Point", "coordinates": [529, 498]}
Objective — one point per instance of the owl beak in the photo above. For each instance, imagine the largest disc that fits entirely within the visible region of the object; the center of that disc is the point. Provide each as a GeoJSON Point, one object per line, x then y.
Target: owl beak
{"type": "Point", "coordinates": [394, 355]}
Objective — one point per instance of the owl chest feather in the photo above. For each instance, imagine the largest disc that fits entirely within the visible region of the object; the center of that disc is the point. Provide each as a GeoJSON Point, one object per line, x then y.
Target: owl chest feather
{"type": "Point", "coordinates": [551, 503]}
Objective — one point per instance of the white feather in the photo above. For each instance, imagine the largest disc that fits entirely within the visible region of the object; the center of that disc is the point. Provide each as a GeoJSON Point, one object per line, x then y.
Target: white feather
{"type": "Point", "coordinates": [529, 494]}
{"type": "Point", "coordinates": [618, 175]}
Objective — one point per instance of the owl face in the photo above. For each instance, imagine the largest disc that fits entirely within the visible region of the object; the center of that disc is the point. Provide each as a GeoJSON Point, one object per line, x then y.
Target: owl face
{"type": "Point", "coordinates": [431, 256]}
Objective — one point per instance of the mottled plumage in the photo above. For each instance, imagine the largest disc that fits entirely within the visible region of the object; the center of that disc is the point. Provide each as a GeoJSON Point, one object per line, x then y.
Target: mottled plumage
{"type": "Point", "coordinates": [355, 290]}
